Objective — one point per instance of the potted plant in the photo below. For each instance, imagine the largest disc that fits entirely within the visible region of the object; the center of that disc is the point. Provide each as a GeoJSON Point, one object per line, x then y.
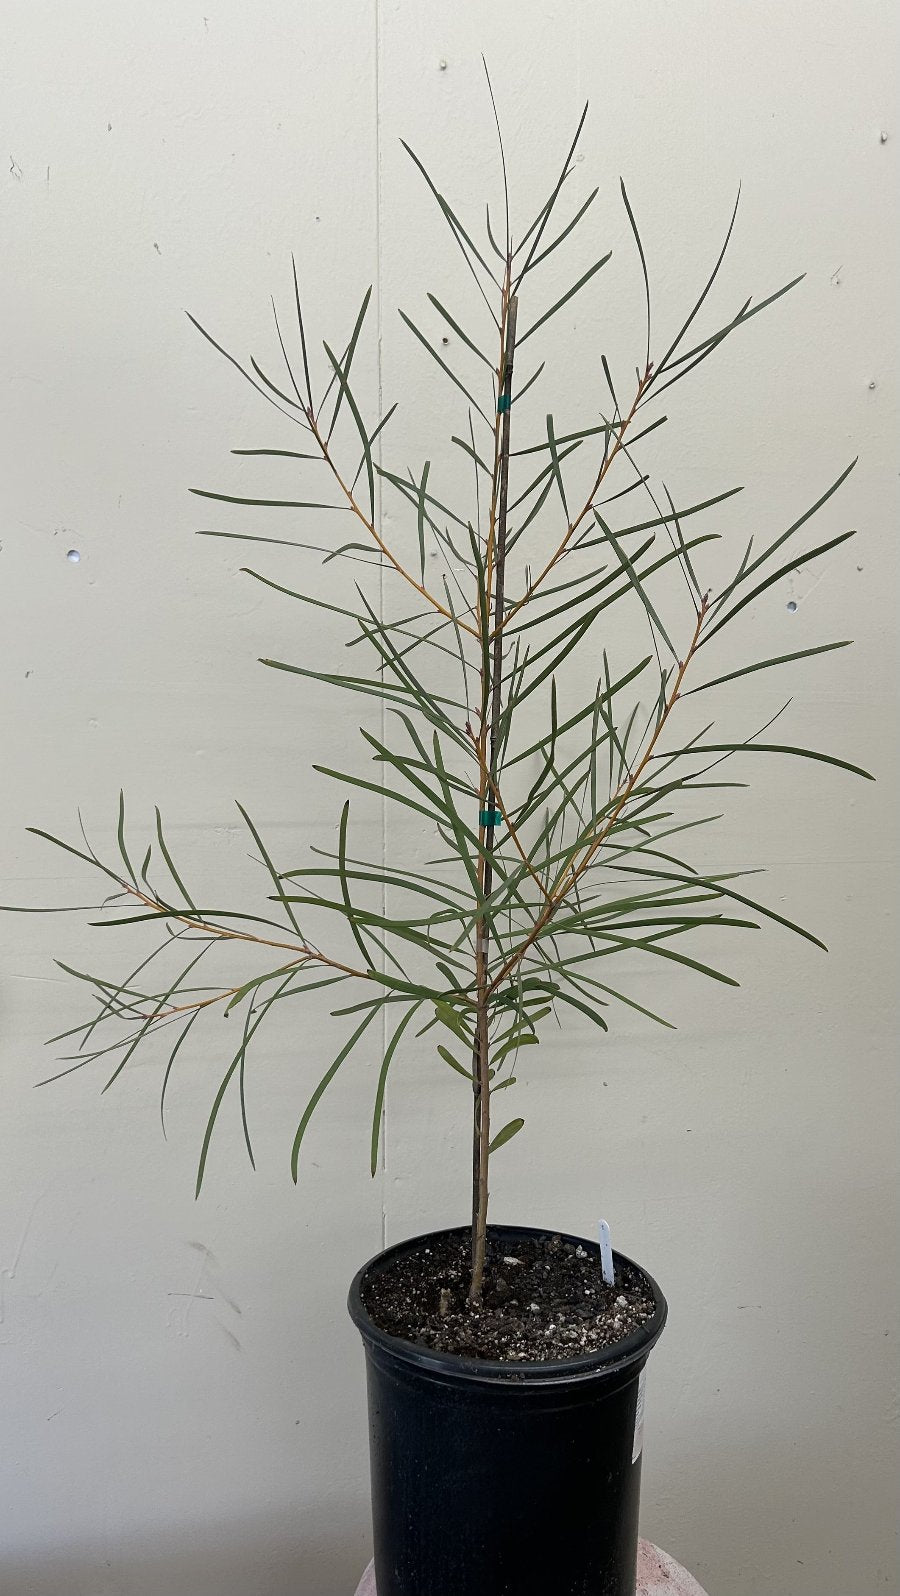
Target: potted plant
{"type": "Point", "coordinates": [553, 761]}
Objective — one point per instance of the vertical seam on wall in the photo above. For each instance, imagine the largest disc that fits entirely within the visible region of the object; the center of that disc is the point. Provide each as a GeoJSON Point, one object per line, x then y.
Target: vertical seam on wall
{"type": "Point", "coordinates": [381, 614]}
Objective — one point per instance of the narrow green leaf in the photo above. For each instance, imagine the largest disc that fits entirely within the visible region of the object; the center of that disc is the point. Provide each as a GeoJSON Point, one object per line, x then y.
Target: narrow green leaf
{"type": "Point", "coordinates": [182, 1037]}
{"type": "Point", "coordinates": [591, 272]}
{"type": "Point", "coordinates": [501, 254]}
{"type": "Point", "coordinates": [276, 881]}
{"type": "Point", "coordinates": [583, 713]}
{"type": "Point", "coordinates": [360, 427]}
{"type": "Point", "coordinates": [546, 472]}
{"type": "Point", "coordinates": [536, 230]}
{"type": "Point", "coordinates": [584, 1008]}
{"type": "Point", "coordinates": [661, 366]}
{"type": "Point", "coordinates": [302, 332]}
{"type": "Point", "coordinates": [150, 1020]}
{"type": "Point", "coordinates": [640, 250]}
{"type": "Point", "coordinates": [764, 664]}
{"type": "Point", "coordinates": [569, 437]}
{"type": "Point", "coordinates": [775, 576]}
{"type": "Point", "coordinates": [774, 748]}
{"type": "Point", "coordinates": [262, 504]}
{"type": "Point", "coordinates": [555, 466]}
{"type": "Point", "coordinates": [446, 1015]}
{"type": "Point", "coordinates": [242, 1095]}
{"type": "Point", "coordinates": [169, 862]}
{"type": "Point", "coordinates": [728, 892]}
{"type": "Point", "coordinates": [453, 220]}
{"type": "Point", "coordinates": [420, 518]}
{"type": "Point", "coordinates": [286, 454]}
{"type": "Point", "coordinates": [566, 230]}
{"type": "Point", "coordinates": [747, 570]}
{"type": "Point", "coordinates": [238, 367]}
{"type": "Point", "coordinates": [372, 436]}
{"type": "Point", "coordinates": [635, 581]}
{"type": "Point", "coordinates": [326, 1080]}
{"type": "Point", "coordinates": [443, 365]}
{"type": "Point", "coordinates": [521, 1039]}
{"type": "Point", "coordinates": [347, 361]}
{"type": "Point", "coordinates": [505, 1135]}
{"type": "Point", "coordinates": [460, 332]}
{"type": "Point", "coordinates": [528, 383]}
{"type": "Point", "coordinates": [287, 543]}
{"type": "Point", "coordinates": [473, 454]}
{"type": "Point", "coordinates": [382, 1083]}
{"type": "Point", "coordinates": [120, 837]}
{"type": "Point", "coordinates": [448, 1058]}
{"type": "Point", "coordinates": [273, 386]}
{"type": "Point", "coordinates": [693, 358]}
{"type": "Point", "coordinates": [408, 489]}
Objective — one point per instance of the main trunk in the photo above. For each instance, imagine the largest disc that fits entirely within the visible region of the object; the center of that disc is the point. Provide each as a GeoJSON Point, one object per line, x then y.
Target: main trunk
{"type": "Point", "coordinates": [492, 702]}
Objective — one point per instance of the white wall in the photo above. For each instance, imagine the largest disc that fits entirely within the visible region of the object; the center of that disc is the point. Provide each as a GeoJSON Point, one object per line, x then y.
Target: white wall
{"type": "Point", "coordinates": [183, 1397]}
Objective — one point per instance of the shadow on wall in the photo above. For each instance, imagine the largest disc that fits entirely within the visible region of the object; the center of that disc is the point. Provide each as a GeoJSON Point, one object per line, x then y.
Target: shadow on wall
{"type": "Point", "coordinates": [262, 1557]}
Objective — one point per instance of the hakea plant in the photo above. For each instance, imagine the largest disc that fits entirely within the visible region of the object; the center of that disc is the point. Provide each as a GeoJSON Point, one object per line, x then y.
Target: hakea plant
{"type": "Point", "coordinates": [555, 849]}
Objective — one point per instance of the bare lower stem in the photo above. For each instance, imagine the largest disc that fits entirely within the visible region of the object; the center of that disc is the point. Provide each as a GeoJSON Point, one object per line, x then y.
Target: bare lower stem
{"type": "Point", "coordinates": [482, 1138]}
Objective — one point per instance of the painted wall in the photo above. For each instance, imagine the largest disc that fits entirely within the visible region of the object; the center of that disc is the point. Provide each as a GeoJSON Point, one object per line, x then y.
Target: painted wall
{"type": "Point", "coordinates": [182, 1395]}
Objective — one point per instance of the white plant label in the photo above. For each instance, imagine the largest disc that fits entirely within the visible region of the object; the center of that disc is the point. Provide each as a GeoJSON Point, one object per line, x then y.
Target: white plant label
{"type": "Point", "coordinates": [606, 1257]}
{"type": "Point", "coordinates": [638, 1443]}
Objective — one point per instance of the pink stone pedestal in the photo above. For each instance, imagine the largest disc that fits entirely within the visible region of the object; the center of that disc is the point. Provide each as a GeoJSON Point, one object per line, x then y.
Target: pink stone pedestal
{"type": "Point", "coordinates": [658, 1575]}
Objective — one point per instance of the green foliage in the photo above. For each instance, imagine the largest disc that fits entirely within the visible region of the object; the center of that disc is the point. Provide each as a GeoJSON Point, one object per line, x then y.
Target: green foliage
{"type": "Point", "coordinates": [580, 869]}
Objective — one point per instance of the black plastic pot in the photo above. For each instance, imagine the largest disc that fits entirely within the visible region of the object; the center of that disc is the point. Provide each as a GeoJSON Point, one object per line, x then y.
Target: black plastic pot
{"type": "Point", "coordinates": [498, 1479]}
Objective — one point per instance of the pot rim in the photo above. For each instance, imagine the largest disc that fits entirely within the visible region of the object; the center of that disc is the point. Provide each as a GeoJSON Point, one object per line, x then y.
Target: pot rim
{"type": "Point", "coordinates": [610, 1360]}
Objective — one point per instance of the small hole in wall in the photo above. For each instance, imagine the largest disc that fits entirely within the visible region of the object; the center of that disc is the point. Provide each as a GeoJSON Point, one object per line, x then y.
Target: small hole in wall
{"type": "Point", "coordinates": [792, 606]}
{"type": "Point", "coordinates": [73, 556]}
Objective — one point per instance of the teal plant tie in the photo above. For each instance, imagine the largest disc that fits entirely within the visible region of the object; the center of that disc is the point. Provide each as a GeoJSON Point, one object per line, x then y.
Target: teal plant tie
{"type": "Point", "coordinates": [503, 403]}
{"type": "Point", "coordinates": [489, 817]}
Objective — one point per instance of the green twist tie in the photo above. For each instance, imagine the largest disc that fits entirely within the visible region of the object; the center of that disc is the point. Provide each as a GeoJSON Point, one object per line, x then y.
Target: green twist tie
{"type": "Point", "coordinates": [503, 403]}
{"type": "Point", "coordinates": [489, 817]}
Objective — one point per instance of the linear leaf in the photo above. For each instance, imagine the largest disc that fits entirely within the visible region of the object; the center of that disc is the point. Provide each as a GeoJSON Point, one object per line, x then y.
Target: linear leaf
{"type": "Point", "coordinates": [443, 364]}
{"type": "Point", "coordinates": [326, 1080]}
{"type": "Point", "coordinates": [170, 863]}
{"type": "Point", "coordinates": [591, 272]}
{"type": "Point", "coordinates": [510, 1129]}
{"type": "Point", "coordinates": [347, 361]}
{"type": "Point", "coordinates": [460, 333]}
{"type": "Point", "coordinates": [263, 504]}
{"type": "Point", "coordinates": [699, 304]}
{"type": "Point", "coordinates": [773, 748]}
{"type": "Point", "coordinates": [454, 1063]}
{"type": "Point", "coordinates": [420, 517]}
{"type": "Point", "coordinates": [382, 1083]}
{"type": "Point", "coordinates": [635, 581]}
{"type": "Point", "coordinates": [728, 892]}
{"type": "Point", "coordinates": [555, 466]}
{"type": "Point", "coordinates": [764, 664]}
{"type": "Point", "coordinates": [453, 220]}
{"type": "Point", "coordinates": [360, 427]}
{"type": "Point", "coordinates": [182, 1037]}
{"type": "Point", "coordinates": [775, 576]}
{"type": "Point", "coordinates": [640, 250]}
{"type": "Point", "coordinates": [238, 367]}
{"type": "Point", "coordinates": [536, 229]}
{"type": "Point", "coordinates": [566, 230]}
{"type": "Point", "coordinates": [701, 351]}
{"type": "Point", "coordinates": [281, 454]}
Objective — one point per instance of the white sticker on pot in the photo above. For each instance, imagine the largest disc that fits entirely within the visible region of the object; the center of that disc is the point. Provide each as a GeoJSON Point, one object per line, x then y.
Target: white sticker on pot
{"type": "Point", "coordinates": [639, 1418]}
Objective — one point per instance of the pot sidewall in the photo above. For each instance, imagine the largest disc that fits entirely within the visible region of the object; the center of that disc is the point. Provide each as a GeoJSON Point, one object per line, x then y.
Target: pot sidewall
{"type": "Point", "coordinates": [514, 1479]}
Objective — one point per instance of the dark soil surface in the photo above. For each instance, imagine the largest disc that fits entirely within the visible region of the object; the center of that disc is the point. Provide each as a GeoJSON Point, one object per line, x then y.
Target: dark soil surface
{"type": "Point", "coordinates": [544, 1299]}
